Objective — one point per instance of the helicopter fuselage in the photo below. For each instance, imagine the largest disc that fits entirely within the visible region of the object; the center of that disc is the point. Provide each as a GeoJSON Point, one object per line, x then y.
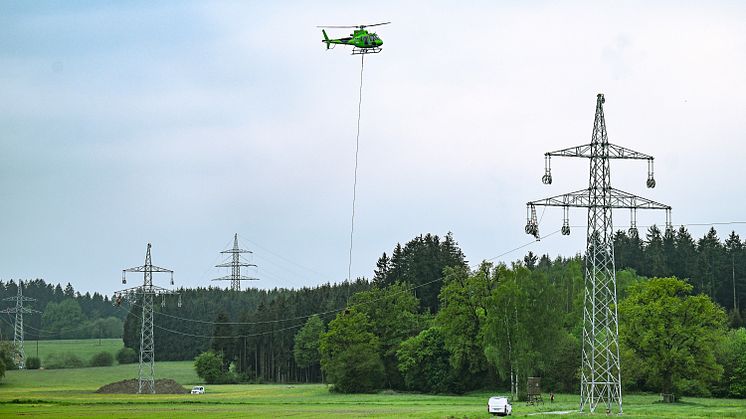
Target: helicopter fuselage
{"type": "Point", "coordinates": [359, 39]}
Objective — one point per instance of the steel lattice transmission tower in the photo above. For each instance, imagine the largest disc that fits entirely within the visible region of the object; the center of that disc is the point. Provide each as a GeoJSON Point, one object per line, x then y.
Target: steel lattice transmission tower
{"type": "Point", "coordinates": [235, 264]}
{"type": "Point", "coordinates": [146, 293]}
{"type": "Point", "coordinates": [600, 370]}
{"type": "Point", "coordinates": [19, 310]}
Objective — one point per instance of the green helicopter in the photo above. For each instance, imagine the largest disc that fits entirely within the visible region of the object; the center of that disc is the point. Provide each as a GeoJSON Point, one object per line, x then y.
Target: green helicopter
{"type": "Point", "coordinates": [362, 41]}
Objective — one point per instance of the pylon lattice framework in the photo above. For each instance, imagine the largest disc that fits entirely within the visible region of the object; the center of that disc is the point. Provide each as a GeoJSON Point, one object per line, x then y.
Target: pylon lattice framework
{"type": "Point", "coordinates": [600, 369]}
{"type": "Point", "coordinates": [147, 292]}
{"type": "Point", "coordinates": [19, 310]}
{"type": "Point", "coordinates": [235, 264]}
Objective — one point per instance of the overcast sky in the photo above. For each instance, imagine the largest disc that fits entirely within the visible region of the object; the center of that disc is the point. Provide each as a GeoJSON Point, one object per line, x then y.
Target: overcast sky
{"type": "Point", "coordinates": [182, 123]}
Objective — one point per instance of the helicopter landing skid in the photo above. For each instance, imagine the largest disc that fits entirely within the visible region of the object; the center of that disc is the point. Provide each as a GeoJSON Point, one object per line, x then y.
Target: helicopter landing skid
{"type": "Point", "coordinates": [363, 51]}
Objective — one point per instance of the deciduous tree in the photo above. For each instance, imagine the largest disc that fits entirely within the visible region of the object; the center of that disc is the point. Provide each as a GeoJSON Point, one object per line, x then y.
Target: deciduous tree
{"type": "Point", "coordinates": [306, 348]}
{"type": "Point", "coordinates": [672, 333]}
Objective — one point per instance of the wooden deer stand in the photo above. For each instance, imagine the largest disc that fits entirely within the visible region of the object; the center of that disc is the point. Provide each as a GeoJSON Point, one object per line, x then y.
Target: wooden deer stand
{"type": "Point", "coordinates": [534, 391]}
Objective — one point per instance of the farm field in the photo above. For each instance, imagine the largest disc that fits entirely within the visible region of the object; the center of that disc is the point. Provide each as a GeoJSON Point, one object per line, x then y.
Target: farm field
{"type": "Point", "coordinates": [70, 393]}
{"type": "Point", "coordinates": [83, 348]}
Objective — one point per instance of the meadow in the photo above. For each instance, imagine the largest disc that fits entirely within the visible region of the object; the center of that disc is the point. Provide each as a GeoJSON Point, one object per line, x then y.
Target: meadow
{"type": "Point", "coordinates": [83, 348]}
{"type": "Point", "coordinates": [70, 393]}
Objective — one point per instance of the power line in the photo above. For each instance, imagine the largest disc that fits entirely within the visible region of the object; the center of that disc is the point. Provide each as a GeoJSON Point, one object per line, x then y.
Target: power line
{"type": "Point", "coordinates": [518, 248]}
{"type": "Point", "coordinates": [51, 332]}
{"type": "Point", "coordinates": [298, 274]}
{"type": "Point", "coordinates": [215, 261]}
{"type": "Point", "coordinates": [412, 287]}
{"type": "Point", "coordinates": [280, 257]}
{"type": "Point", "coordinates": [194, 335]}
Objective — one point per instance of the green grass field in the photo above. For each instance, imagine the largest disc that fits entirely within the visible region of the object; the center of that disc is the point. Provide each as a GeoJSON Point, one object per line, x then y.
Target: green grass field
{"type": "Point", "coordinates": [70, 393]}
{"type": "Point", "coordinates": [83, 348]}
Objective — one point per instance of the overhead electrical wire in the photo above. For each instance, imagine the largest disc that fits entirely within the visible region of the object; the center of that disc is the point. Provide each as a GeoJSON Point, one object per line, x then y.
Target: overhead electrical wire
{"type": "Point", "coordinates": [41, 331]}
{"type": "Point", "coordinates": [218, 257]}
{"type": "Point", "coordinates": [48, 332]}
{"type": "Point", "coordinates": [194, 335]}
{"type": "Point", "coordinates": [279, 256]}
{"type": "Point", "coordinates": [408, 289]}
{"type": "Point", "coordinates": [379, 299]}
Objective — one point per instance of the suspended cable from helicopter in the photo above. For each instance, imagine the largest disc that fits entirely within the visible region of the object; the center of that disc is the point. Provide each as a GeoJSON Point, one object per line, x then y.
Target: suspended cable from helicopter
{"type": "Point", "coordinates": [363, 43]}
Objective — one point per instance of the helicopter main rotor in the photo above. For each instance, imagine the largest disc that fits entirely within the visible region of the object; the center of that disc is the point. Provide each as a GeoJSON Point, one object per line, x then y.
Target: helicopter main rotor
{"type": "Point", "coordinates": [356, 26]}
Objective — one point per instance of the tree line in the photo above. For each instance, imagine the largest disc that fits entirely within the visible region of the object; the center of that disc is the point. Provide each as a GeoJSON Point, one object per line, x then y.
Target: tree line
{"type": "Point", "coordinates": [262, 346]}
{"type": "Point", "coordinates": [713, 267]}
{"type": "Point", "coordinates": [65, 313]}
{"type": "Point", "coordinates": [428, 322]}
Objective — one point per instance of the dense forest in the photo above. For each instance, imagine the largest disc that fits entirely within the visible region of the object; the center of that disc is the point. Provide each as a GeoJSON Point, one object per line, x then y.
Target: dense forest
{"type": "Point", "coordinates": [427, 321]}
{"type": "Point", "coordinates": [714, 267]}
{"type": "Point", "coordinates": [63, 312]}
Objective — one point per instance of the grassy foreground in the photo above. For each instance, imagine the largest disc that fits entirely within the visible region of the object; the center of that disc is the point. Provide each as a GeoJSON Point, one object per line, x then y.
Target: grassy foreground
{"type": "Point", "coordinates": [70, 393]}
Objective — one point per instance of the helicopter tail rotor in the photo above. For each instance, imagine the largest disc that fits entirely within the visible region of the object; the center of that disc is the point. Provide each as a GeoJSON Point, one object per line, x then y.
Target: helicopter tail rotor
{"type": "Point", "coordinates": [326, 39]}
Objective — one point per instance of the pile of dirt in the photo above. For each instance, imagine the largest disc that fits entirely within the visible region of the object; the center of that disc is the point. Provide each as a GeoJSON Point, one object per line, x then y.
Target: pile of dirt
{"type": "Point", "coordinates": [162, 386]}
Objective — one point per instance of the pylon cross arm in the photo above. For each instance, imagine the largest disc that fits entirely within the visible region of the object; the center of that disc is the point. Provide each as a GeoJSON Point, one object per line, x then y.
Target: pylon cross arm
{"type": "Point", "coordinates": [621, 199]}
{"type": "Point", "coordinates": [26, 310]}
{"type": "Point", "coordinates": [22, 298]}
{"type": "Point", "coordinates": [144, 268]}
{"type": "Point", "coordinates": [236, 251]}
{"type": "Point", "coordinates": [586, 151]}
{"type": "Point", "coordinates": [13, 310]}
{"type": "Point", "coordinates": [582, 199]}
{"type": "Point", "coordinates": [159, 290]}
{"type": "Point", "coordinates": [230, 264]}
{"type": "Point", "coordinates": [231, 278]}
{"type": "Point", "coordinates": [132, 290]}
{"type": "Point", "coordinates": [579, 198]}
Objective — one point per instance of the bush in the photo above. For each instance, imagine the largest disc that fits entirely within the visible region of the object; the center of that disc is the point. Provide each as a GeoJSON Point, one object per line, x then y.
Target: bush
{"type": "Point", "coordinates": [63, 360]}
{"type": "Point", "coordinates": [423, 361]}
{"type": "Point", "coordinates": [732, 356]}
{"type": "Point", "coordinates": [127, 356]}
{"type": "Point", "coordinates": [102, 359]}
{"type": "Point", "coordinates": [209, 367]}
{"type": "Point", "coordinates": [33, 363]}
{"type": "Point", "coordinates": [7, 356]}
{"type": "Point", "coordinates": [358, 369]}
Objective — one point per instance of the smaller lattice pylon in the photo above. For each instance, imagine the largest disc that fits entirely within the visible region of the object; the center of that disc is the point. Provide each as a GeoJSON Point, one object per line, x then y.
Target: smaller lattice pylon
{"type": "Point", "coordinates": [19, 310]}
{"type": "Point", "coordinates": [235, 264]}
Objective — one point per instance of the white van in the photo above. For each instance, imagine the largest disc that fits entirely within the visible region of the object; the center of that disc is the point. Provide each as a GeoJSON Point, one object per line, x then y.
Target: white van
{"type": "Point", "coordinates": [499, 406]}
{"type": "Point", "coordinates": [198, 390]}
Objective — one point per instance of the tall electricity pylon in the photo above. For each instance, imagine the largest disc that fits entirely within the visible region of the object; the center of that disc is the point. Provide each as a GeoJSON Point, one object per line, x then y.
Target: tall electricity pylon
{"type": "Point", "coordinates": [146, 292]}
{"type": "Point", "coordinates": [235, 264]}
{"type": "Point", "coordinates": [19, 310]}
{"type": "Point", "coordinates": [600, 372]}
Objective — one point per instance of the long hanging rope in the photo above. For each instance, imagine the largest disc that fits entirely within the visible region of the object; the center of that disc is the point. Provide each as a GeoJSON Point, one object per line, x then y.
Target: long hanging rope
{"type": "Point", "coordinates": [354, 183]}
